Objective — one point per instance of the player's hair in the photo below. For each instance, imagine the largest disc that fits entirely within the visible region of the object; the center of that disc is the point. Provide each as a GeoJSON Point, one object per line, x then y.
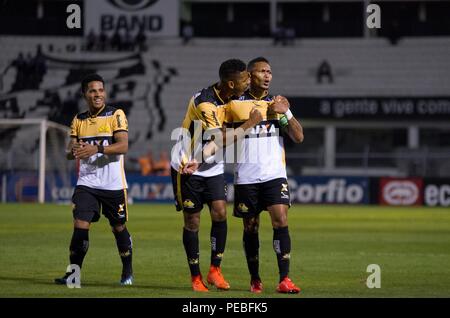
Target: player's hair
{"type": "Point", "coordinates": [90, 78]}
{"type": "Point", "coordinates": [230, 68]}
{"type": "Point", "coordinates": [252, 63]}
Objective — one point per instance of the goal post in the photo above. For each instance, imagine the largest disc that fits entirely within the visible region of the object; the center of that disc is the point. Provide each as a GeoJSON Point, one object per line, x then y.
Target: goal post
{"type": "Point", "coordinates": [35, 146]}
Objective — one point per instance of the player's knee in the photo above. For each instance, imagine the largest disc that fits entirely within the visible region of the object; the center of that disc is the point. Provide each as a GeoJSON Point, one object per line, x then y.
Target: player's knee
{"type": "Point", "coordinates": [192, 222]}
{"type": "Point", "coordinates": [118, 228]}
{"type": "Point", "coordinates": [279, 221]}
{"type": "Point", "coordinates": [219, 214]}
{"type": "Point", "coordinates": [80, 224]}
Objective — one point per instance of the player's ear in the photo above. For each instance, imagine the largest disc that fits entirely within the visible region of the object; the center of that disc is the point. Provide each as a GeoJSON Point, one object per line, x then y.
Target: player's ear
{"type": "Point", "coordinates": [231, 84]}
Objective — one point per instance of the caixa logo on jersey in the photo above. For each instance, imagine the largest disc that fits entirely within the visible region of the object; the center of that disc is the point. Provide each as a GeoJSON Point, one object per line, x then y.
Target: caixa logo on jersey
{"type": "Point", "coordinates": [407, 191]}
{"type": "Point", "coordinates": [346, 190]}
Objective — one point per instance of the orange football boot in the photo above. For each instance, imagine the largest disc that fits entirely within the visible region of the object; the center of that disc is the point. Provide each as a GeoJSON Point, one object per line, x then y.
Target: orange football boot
{"type": "Point", "coordinates": [256, 286]}
{"type": "Point", "coordinates": [286, 286]}
{"type": "Point", "coordinates": [216, 278]}
{"type": "Point", "coordinates": [198, 285]}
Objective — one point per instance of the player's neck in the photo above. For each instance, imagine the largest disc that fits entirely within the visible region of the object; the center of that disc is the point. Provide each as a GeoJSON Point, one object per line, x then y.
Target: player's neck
{"type": "Point", "coordinates": [258, 93]}
{"type": "Point", "coordinates": [223, 92]}
{"type": "Point", "coordinates": [93, 112]}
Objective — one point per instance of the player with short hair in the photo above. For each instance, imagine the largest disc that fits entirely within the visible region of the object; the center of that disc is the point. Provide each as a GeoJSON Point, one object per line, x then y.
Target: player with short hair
{"type": "Point", "coordinates": [99, 140]}
{"type": "Point", "coordinates": [260, 179]}
{"type": "Point", "coordinates": [195, 186]}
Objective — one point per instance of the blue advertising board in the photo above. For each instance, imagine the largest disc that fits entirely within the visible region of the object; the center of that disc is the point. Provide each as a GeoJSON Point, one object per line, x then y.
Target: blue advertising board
{"type": "Point", "coordinates": [23, 187]}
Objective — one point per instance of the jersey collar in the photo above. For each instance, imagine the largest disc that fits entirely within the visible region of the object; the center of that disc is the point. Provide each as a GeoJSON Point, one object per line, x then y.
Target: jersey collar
{"type": "Point", "coordinates": [217, 92]}
{"type": "Point", "coordinates": [96, 114]}
{"type": "Point", "coordinates": [264, 95]}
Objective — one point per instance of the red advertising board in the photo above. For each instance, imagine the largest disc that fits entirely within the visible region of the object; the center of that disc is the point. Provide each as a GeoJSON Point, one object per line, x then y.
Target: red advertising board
{"type": "Point", "coordinates": [401, 191]}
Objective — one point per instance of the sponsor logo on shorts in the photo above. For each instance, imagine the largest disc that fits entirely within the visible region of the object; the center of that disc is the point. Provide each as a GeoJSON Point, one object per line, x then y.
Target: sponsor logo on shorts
{"type": "Point", "coordinates": [284, 191]}
{"type": "Point", "coordinates": [188, 203]}
{"type": "Point", "coordinates": [121, 211]}
{"type": "Point", "coordinates": [242, 208]}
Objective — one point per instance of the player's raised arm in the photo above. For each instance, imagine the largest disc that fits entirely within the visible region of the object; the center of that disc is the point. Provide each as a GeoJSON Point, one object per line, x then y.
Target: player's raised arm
{"type": "Point", "coordinates": [293, 128]}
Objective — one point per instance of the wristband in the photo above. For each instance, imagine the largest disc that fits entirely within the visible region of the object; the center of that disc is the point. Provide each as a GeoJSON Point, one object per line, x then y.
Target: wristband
{"type": "Point", "coordinates": [100, 148]}
{"type": "Point", "coordinates": [289, 114]}
{"type": "Point", "coordinates": [283, 121]}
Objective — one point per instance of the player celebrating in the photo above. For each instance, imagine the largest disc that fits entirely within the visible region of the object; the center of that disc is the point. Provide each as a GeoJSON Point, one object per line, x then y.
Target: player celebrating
{"type": "Point", "coordinates": [194, 187]}
{"type": "Point", "coordinates": [260, 173]}
{"type": "Point", "coordinates": [99, 139]}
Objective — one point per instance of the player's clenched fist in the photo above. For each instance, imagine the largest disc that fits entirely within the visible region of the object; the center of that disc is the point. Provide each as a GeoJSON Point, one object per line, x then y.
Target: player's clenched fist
{"type": "Point", "coordinates": [84, 150]}
{"type": "Point", "coordinates": [280, 104]}
{"type": "Point", "coordinates": [255, 116]}
{"type": "Point", "coordinates": [190, 167]}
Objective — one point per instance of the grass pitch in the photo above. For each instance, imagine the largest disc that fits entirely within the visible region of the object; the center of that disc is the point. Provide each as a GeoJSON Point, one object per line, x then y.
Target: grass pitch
{"type": "Point", "coordinates": [331, 249]}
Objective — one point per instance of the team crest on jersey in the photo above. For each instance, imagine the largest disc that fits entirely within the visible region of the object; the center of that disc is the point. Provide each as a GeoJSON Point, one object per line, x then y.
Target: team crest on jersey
{"type": "Point", "coordinates": [103, 129]}
{"type": "Point", "coordinates": [188, 203]}
{"type": "Point", "coordinates": [242, 207]}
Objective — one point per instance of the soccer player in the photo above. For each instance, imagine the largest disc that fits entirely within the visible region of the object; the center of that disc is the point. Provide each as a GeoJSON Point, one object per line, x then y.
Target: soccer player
{"type": "Point", "coordinates": [194, 185]}
{"type": "Point", "coordinates": [99, 139]}
{"type": "Point", "coordinates": [260, 172]}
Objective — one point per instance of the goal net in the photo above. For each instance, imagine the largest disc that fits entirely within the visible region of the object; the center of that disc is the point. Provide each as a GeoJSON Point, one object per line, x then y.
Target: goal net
{"type": "Point", "coordinates": [33, 166]}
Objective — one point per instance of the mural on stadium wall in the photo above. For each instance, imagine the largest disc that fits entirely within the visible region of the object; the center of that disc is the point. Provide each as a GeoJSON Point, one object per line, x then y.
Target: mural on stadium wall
{"type": "Point", "coordinates": [47, 85]}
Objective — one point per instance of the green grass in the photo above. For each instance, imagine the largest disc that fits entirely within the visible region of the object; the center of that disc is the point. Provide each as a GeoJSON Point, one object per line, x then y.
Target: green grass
{"type": "Point", "coordinates": [331, 249]}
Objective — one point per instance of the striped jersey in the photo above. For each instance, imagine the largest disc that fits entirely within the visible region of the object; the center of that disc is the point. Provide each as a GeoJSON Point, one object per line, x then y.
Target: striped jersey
{"type": "Point", "coordinates": [260, 157]}
{"type": "Point", "coordinates": [205, 115]}
{"type": "Point", "coordinates": [100, 171]}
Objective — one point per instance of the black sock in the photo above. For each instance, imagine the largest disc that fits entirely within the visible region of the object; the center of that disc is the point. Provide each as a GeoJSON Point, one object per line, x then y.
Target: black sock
{"type": "Point", "coordinates": [282, 247]}
{"type": "Point", "coordinates": [125, 247]}
{"type": "Point", "coordinates": [218, 240]}
{"type": "Point", "coordinates": [190, 242]}
{"type": "Point", "coordinates": [79, 246]}
{"type": "Point", "coordinates": [251, 248]}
